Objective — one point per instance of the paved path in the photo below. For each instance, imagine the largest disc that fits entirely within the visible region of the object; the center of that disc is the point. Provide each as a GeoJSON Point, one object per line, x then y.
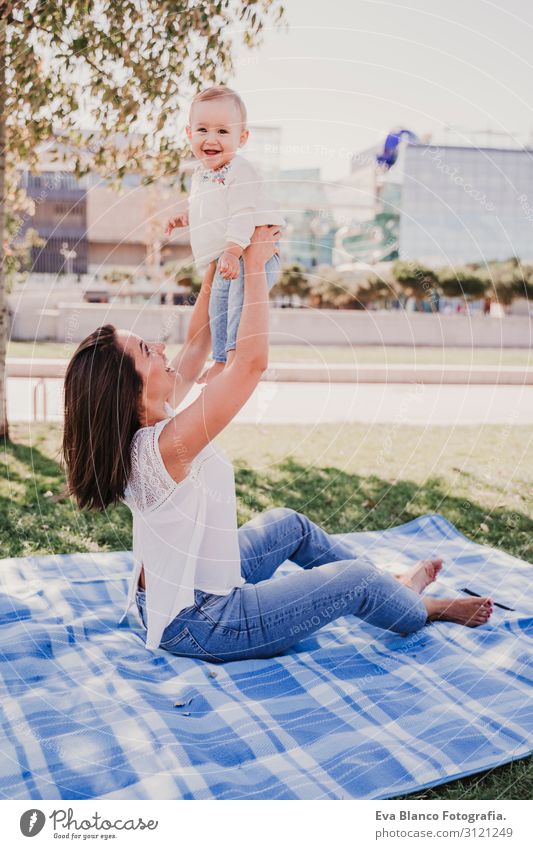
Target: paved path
{"type": "Point", "coordinates": [320, 403]}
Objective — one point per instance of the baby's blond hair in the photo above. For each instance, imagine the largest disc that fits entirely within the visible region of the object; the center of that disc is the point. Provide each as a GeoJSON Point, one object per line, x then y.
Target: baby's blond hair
{"type": "Point", "coordinates": [218, 91]}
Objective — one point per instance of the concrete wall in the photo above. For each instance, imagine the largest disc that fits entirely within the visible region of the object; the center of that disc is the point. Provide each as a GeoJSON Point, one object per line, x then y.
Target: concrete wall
{"type": "Point", "coordinates": [71, 322]}
{"type": "Point", "coordinates": [75, 322]}
{"type": "Point", "coordinates": [396, 327]}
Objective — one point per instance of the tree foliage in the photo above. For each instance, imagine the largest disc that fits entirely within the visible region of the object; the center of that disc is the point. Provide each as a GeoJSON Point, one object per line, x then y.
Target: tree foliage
{"type": "Point", "coordinates": [462, 283]}
{"type": "Point", "coordinates": [117, 276]}
{"type": "Point", "coordinates": [293, 280]}
{"type": "Point", "coordinates": [417, 280]}
{"type": "Point", "coordinates": [508, 280]}
{"type": "Point", "coordinates": [18, 238]}
{"type": "Point", "coordinates": [131, 66]}
{"type": "Point", "coordinates": [183, 275]}
{"type": "Point", "coordinates": [330, 289]}
{"type": "Point", "coordinates": [375, 289]}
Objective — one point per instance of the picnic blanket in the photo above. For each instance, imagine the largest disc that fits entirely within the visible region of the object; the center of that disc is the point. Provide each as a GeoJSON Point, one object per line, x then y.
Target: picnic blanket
{"type": "Point", "coordinates": [352, 711]}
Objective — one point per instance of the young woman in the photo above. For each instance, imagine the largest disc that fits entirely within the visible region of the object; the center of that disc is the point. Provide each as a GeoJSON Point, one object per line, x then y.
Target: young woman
{"type": "Point", "coordinates": [204, 588]}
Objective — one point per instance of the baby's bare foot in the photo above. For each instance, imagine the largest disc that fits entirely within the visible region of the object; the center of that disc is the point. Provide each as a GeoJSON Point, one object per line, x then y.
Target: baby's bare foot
{"type": "Point", "coordinates": [464, 611]}
{"type": "Point", "coordinates": [421, 575]}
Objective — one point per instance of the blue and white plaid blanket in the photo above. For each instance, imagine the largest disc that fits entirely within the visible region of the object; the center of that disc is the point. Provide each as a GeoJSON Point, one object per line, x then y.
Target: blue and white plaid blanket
{"type": "Point", "coordinates": [351, 712]}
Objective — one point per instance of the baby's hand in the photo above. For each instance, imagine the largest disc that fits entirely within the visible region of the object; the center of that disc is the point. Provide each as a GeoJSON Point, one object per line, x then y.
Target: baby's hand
{"type": "Point", "coordinates": [229, 266]}
{"type": "Point", "coordinates": [181, 220]}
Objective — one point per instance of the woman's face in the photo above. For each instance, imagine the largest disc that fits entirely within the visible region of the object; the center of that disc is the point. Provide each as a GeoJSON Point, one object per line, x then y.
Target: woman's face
{"type": "Point", "coordinates": [158, 377]}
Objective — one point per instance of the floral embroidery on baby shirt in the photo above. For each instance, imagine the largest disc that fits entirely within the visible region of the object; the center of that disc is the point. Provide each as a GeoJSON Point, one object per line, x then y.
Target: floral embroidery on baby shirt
{"type": "Point", "coordinates": [208, 175]}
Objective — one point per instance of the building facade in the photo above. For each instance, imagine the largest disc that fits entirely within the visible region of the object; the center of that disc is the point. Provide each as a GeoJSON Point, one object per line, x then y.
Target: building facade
{"type": "Point", "coordinates": [125, 229]}
{"type": "Point", "coordinates": [309, 235]}
{"type": "Point", "coordinates": [446, 204]}
{"type": "Point", "coordinates": [466, 204]}
{"type": "Point", "coordinates": [89, 227]}
{"type": "Point", "coordinates": [60, 219]}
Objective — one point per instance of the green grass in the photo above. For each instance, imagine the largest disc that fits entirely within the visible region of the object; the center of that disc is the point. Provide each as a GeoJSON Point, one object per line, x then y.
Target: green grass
{"type": "Point", "coordinates": [401, 355]}
{"type": "Point", "coordinates": [345, 477]}
{"type": "Point", "coordinates": [332, 354]}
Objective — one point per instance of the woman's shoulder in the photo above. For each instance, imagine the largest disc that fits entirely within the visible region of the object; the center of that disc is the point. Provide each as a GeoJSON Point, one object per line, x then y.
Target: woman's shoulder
{"type": "Point", "coordinates": [143, 438]}
{"type": "Point", "coordinates": [149, 482]}
{"type": "Point", "coordinates": [144, 433]}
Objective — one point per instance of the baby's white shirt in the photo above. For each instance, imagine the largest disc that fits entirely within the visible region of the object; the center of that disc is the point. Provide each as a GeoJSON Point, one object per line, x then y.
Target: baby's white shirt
{"type": "Point", "coordinates": [225, 206]}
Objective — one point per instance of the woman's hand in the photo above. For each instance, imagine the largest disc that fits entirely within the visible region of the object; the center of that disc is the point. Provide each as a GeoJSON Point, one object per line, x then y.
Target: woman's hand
{"type": "Point", "coordinates": [263, 244]}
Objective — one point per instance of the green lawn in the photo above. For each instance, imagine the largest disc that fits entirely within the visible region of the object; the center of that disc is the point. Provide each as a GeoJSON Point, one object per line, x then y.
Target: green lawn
{"type": "Point", "coordinates": [332, 354]}
{"type": "Point", "coordinates": [345, 477]}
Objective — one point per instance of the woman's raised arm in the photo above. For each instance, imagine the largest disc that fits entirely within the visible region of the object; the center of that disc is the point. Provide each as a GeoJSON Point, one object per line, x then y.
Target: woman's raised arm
{"type": "Point", "coordinates": [190, 430]}
{"type": "Point", "coordinates": [190, 359]}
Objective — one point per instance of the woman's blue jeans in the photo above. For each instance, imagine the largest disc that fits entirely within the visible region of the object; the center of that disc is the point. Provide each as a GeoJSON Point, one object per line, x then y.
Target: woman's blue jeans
{"type": "Point", "coordinates": [264, 617]}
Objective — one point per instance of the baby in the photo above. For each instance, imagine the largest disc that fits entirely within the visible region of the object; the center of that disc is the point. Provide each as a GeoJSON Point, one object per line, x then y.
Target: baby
{"type": "Point", "coordinates": [226, 202]}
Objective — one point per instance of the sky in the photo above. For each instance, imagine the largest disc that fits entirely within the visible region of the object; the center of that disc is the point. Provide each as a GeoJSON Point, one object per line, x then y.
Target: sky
{"type": "Point", "coordinates": [341, 73]}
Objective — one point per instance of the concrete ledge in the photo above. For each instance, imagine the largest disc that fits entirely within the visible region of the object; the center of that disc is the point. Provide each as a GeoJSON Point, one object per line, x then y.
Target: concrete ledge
{"type": "Point", "coordinates": [332, 373]}
{"type": "Point", "coordinates": [36, 367]}
{"type": "Point", "coordinates": [398, 373]}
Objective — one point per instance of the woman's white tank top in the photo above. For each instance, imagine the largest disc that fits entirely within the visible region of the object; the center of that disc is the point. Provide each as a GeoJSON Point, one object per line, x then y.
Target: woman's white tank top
{"type": "Point", "coordinates": [185, 534]}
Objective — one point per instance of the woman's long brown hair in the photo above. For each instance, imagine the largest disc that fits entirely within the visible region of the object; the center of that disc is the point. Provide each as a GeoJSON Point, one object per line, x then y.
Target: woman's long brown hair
{"type": "Point", "coordinates": [102, 391]}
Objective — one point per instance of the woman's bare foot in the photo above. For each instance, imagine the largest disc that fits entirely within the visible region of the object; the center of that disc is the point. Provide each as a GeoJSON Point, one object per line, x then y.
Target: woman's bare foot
{"type": "Point", "coordinates": [211, 372]}
{"type": "Point", "coordinates": [421, 575]}
{"type": "Point", "coordinates": [464, 611]}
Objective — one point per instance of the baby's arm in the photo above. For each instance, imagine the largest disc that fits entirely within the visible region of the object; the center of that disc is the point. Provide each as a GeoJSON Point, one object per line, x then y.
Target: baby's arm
{"type": "Point", "coordinates": [179, 220]}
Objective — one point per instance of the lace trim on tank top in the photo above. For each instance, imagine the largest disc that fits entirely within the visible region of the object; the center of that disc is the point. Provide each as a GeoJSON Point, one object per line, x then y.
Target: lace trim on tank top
{"type": "Point", "coordinates": [149, 483]}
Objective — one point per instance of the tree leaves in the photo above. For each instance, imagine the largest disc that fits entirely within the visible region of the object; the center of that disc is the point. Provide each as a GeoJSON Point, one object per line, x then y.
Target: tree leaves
{"type": "Point", "coordinates": [127, 65]}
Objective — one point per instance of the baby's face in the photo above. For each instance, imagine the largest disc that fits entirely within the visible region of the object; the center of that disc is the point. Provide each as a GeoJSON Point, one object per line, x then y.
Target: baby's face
{"type": "Point", "coordinates": [216, 131]}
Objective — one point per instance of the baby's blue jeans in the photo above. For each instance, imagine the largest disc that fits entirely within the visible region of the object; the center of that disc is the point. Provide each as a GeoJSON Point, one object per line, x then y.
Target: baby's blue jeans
{"type": "Point", "coordinates": [267, 616]}
{"type": "Point", "coordinates": [225, 307]}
